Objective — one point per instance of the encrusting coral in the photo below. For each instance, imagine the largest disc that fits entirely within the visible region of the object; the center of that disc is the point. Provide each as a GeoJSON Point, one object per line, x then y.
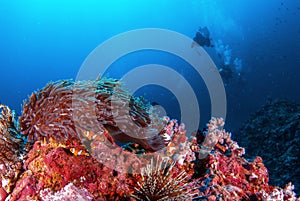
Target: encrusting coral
{"type": "Point", "coordinates": [50, 167]}
{"type": "Point", "coordinates": [68, 193]}
{"type": "Point", "coordinates": [223, 174]}
{"type": "Point", "coordinates": [74, 149]}
{"type": "Point", "coordinates": [11, 150]}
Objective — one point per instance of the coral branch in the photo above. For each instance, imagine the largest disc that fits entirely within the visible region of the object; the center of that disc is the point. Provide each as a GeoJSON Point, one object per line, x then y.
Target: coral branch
{"type": "Point", "coordinates": [11, 151]}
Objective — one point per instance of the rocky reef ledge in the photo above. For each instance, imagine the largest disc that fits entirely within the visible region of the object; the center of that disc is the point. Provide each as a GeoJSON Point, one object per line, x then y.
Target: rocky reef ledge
{"type": "Point", "coordinates": [91, 140]}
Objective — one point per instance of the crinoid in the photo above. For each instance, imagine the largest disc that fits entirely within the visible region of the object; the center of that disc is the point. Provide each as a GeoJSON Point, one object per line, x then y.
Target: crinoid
{"type": "Point", "coordinates": [161, 181]}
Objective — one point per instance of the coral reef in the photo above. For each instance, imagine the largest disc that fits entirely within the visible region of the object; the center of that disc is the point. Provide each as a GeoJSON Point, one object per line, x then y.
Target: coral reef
{"type": "Point", "coordinates": [223, 173]}
{"type": "Point", "coordinates": [50, 168]}
{"type": "Point", "coordinates": [11, 150]}
{"type": "Point", "coordinates": [273, 133]}
{"type": "Point", "coordinates": [279, 194]}
{"type": "Point", "coordinates": [69, 150]}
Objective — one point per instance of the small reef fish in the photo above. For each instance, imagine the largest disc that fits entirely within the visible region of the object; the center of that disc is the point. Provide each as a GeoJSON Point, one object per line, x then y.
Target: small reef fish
{"type": "Point", "coordinates": [91, 135]}
{"type": "Point", "coordinates": [79, 152]}
{"type": "Point", "coordinates": [101, 135]}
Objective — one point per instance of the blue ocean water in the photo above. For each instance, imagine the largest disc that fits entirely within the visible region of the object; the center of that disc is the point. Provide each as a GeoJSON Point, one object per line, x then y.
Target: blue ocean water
{"type": "Point", "coordinates": [42, 41]}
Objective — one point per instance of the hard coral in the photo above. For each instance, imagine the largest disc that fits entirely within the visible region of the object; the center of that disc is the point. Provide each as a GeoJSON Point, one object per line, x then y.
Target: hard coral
{"type": "Point", "coordinates": [177, 145]}
{"type": "Point", "coordinates": [69, 193]}
{"type": "Point", "coordinates": [114, 157]}
{"type": "Point", "coordinates": [273, 133]}
{"type": "Point", "coordinates": [225, 174]}
{"type": "Point", "coordinates": [66, 117]}
{"type": "Point", "coordinates": [11, 150]}
{"type": "Point", "coordinates": [177, 148]}
{"type": "Point", "coordinates": [64, 110]}
{"type": "Point", "coordinates": [222, 173]}
{"type": "Point", "coordinates": [280, 194]}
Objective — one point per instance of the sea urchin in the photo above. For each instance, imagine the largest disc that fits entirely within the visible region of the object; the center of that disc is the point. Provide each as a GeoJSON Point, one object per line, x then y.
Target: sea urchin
{"type": "Point", "coordinates": [161, 181]}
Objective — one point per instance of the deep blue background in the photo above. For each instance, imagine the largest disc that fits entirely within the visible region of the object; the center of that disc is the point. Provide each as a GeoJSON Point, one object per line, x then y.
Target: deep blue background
{"type": "Point", "coordinates": [42, 41]}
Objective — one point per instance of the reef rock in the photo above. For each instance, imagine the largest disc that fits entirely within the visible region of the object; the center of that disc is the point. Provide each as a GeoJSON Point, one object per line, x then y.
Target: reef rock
{"type": "Point", "coordinates": [274, 134]}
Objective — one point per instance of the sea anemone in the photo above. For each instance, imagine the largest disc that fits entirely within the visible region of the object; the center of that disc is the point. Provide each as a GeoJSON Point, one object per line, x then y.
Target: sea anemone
{"type": "Point", "coordinates": [64, 110]}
